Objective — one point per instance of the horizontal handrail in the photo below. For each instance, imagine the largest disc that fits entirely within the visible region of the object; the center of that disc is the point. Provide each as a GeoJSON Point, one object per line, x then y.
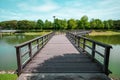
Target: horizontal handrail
{"type": "Point", "coordinates": [31, 48]}
{"type": "Point", "coordinates": [80, 42]}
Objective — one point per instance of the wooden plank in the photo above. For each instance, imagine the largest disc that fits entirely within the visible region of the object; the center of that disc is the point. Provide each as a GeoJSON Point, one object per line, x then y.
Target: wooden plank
{"type": "Point", "coordinates": [63, 76]}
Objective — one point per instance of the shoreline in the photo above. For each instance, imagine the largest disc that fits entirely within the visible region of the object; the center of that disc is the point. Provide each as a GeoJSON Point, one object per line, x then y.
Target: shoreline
{"type": "Point", "coordinates": [7, 72]}
{"type": "Point", "coordinates": [106, 33]}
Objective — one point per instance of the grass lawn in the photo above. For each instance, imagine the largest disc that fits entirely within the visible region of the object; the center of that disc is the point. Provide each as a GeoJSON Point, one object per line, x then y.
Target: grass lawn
{"type": "Point", "coordinates": [8, 76]}
{"type": "Point", "coordinates": [37, 33]}
{"type": "Point", "coordinates": [29, 33]}
{"type": "Point", "coordinates": [102, 32]}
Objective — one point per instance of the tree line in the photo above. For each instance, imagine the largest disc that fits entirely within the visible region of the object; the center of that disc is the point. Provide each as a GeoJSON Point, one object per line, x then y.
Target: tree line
{"type": "Point", "coordinates": [61, 24]}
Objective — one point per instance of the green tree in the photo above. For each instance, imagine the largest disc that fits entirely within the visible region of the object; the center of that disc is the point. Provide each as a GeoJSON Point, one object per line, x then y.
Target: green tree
{"type": "Point", "coordinates": [99, 24]}
{"type": "Point", "coordinates": [93, 24]}
{"type": "Point", "coordinates": [116, 24]}
{"type": "Point", "coordinates": [25, 24]}
{"type": "Point", "coordinates": [84, 22]}
{"type": "Point", "coordinates": [48, 25]}
{"type": "Point", "coordinates": [110, 23]}
{"type": "Point", "coordinates": [106, 25]}
{"type": "Point", "coordinates": [57, 24]}
{"type": "Point", "coordinates": [63, 24]}
{"type": "Point", "coordinates": [79, 25]}
{"type": "Point", "coordinates": [12, 24]}
{"type": "Point", "coordinates": [40, 24]}
{"type": "Point", "coordinates": [72, 24]}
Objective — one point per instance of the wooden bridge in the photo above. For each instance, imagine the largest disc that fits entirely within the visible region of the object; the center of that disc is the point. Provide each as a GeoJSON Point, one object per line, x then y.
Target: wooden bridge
{"type": "Point", "coordinates": [62, 57]}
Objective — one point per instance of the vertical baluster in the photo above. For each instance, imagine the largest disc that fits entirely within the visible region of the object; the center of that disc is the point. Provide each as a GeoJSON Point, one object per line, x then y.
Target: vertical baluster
{"type": "Point", "coordinates": [93, 50]}
{"type": "Point", "coordinates": [78, 42]}
{"type": "Point", "coordinates": [74, 39]}
{"type": "Point", "coordinates": [30, 50]}
{"type": "Point", "coordinates": [38, 44]}
{"type": "Point", "coordinates": [42, 41]}
{"type": "Point", "coordinates": [19, 60]}
{"type": "Point", "coordinates": [84, 43]}
{"type": "Point", "coordinates": [106, 60]}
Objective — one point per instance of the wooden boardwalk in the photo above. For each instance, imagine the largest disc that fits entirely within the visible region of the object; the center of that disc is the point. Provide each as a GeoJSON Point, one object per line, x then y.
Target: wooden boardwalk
{"type": "Point", "coordinates": [60, 58]}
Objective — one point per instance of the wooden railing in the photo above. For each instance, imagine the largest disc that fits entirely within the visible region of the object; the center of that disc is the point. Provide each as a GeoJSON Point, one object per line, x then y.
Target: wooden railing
{"type": "Point", "coordinates": [27, 50]}
{"type": "Point", "coordinates": [83, 44]}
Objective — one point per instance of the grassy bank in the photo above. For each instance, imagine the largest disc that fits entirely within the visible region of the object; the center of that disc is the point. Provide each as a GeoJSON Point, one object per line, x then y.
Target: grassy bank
{"type": "Point", "coordinates": [8, 76]}
{"type": "Point", "coordinates": [101, 32]}
{"type": "Point", "coordinates": [28, 33]}
{"type": "Point", "coordinates": [36, 33]}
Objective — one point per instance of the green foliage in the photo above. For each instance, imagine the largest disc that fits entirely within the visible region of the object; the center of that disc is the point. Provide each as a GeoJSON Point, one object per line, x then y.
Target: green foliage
{"type": "Point", "coordinates": [61, 24]}
{"type": "Point", "coordinates": [48, 25]}
{"type": "Point", "coordinates": [25, 24]}
{"type": "Point", "coordinates": [116, 24]}
{"type": "Point", "coordinates": [84, 22]}
{"type": "Point", "coordinates": [72, 24]}
{"type": "Point", "coordinates": [40, 24]}
{"type": "Point", "coordinates": [9, 24]}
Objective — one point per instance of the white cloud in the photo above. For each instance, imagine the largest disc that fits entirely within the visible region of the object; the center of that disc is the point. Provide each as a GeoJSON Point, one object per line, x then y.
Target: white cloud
{"type": "Point", "coordinates": [45, 7]}
{"type": "Point", "coordinates": [103, 9]}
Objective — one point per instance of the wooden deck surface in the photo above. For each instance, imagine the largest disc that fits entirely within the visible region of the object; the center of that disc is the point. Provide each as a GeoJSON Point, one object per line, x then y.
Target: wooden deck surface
{"type": "Point", "coordinates": [60, 56]}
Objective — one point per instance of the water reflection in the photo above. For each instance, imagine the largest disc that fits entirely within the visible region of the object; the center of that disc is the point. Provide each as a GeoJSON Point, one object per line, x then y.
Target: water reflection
{"type": "Point", "coordinates": [7, 50]}
{"type": "Point", "coordinates": [112, 39]}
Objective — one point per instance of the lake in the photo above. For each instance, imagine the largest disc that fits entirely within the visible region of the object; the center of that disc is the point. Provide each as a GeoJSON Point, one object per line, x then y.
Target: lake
{"type": "Point", "coordinates": [8, 54]}
{"type": "Point", "coordinates": [7, 49]}
{"type": "Point", "coordinates": [114, 41]}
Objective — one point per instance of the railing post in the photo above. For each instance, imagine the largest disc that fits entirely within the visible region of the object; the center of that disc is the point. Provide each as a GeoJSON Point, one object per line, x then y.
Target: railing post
{"type": "Point", "coordinates": [19, 62]}
{"type": "Point", "coordinates": [93, 50]}
{"type": "Point", "coordinates": [75, 38]}
{"type": "Point", "coordinates": [30, 49]}
{"type": "Point", "coordinates": [78, 42]}
{"type": "Point", "coordinates": [84, 42]}
{"type": "Point", "coordinates": [42, 41]}
{"type": "Point", "coordinates": [38, 44]}
{"type": "Point", "coordinates": [106, 60]}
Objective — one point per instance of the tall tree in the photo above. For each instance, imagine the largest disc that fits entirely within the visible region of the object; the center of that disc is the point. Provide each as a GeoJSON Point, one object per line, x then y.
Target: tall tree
{"type": "Point", "coordinates": [63, 24]}
{"type": "Point", "coordinates": [106, 25]}
{"type": "Point", "coordinates": [72, 24]}
{"type": "Point", "coordinates": [110, 23]}
{"type": "Point", "coordinates": [84, 22]}
{"type": "Point", "coordinates": [99, 24]}
{"type": "Point", "coordinates": [40, 24]}
{"type": "Point", "coordinates": [93, 24]}
{"type": "Point", "coordinates": [25, 24]}
{"type": "Point", "coordinates": [116, 24]}
{"type": "Point", "coordinates": [48, 25]}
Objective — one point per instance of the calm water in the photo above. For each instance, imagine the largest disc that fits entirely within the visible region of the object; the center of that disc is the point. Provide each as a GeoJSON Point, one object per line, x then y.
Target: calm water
{"type": "Point", "coordinates": [114, 40]}
{"type": "Point", "coordinates": [7, 50]}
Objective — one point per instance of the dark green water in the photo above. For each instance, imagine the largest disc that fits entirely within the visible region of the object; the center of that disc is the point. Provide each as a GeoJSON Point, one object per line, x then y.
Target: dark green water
{"type": "Point", "coordinates": [7, 50]}
{"type": "Point", "coordinates": [113, 40]}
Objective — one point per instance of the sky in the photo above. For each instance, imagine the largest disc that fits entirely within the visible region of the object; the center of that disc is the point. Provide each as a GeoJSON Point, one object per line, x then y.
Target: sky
{"type": "Point", "coordinates": [62, 9]}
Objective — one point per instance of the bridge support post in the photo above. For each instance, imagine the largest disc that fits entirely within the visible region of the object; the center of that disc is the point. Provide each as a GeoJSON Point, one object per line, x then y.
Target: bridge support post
{"type": "Point", "coordinates": [84, 42]}
{"type": "Point", "coordinates": [38, 44]}
{"type": "Point", "coordinates": [93, 50]}
{"type": "Point", "coordinates": [106, 60]}
{"type": "Point", "coordinates": [78, 43]}
{"type": "Point", "coordinates": [30, 50]}
{"type": "Point", "coordinates": [19, 63]}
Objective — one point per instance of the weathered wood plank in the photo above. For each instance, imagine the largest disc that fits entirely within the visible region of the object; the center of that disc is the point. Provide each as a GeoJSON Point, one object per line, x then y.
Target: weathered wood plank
{"type": "Point", "coordinates": [63, 76]}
